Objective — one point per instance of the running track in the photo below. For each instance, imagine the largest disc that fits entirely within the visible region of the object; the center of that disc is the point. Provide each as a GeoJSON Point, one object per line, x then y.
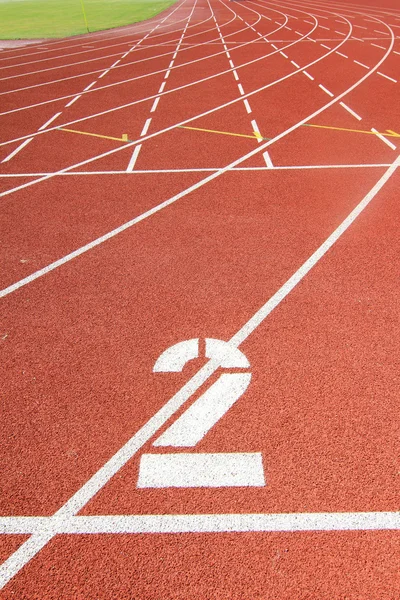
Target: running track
{"type": "Point", "coordinates": [224, 171]}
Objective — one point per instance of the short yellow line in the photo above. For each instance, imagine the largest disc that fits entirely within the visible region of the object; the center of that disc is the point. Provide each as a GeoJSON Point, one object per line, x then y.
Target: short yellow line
{"type": "Point", "coordinates": [106, 137]}
{"type": "Point", "coordinates": [391, 134]}
{"type": "Point", "coordinates": [394, 134]}
{"type": "Point", "coordinates": [252, 137]}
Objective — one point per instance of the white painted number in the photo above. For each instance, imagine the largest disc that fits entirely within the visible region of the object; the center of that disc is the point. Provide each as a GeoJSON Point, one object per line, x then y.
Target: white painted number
{"type": "Point", "coordinates": [202, 470]}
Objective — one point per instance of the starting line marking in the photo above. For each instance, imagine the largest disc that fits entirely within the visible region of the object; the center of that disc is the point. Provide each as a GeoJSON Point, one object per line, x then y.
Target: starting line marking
{"type": "Point", "coordinates": [255, 135]}
{"type": "Point", "coordinates": [203, 523]}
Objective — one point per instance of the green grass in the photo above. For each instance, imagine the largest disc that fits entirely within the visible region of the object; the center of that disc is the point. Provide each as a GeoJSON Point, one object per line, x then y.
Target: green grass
{"type": "Point", "coordinates": [58, 18]}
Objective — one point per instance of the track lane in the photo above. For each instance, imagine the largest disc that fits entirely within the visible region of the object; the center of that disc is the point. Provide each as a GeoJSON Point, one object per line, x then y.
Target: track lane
{"type": "Point", "coordinates": [314, 329]}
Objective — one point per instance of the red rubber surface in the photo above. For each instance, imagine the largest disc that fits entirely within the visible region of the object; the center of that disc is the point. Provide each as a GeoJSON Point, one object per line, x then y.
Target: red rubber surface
{"type": "Point", "coordinates": [79, 338]}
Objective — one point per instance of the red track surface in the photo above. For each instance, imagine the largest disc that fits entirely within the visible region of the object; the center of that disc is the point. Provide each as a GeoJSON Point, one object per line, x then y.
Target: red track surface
{"type": "Point", "coordinates": [285, 244]}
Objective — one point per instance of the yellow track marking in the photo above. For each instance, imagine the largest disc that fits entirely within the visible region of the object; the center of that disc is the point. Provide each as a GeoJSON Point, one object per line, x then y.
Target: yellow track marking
{"type": "Point", "coordinates": [389, 133]}
{"type": "Point", "coordinates": [255, 135]}
{"type": "Point", "coordinates": [106, 137]}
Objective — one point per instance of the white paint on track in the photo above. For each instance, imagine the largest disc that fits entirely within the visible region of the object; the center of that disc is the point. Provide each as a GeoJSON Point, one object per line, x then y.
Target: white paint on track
{"type": "Point", "coordinates": [15, 152]}
{"type": "Point", "coordinates": [37, 541]}
{"type": "Point", "coordinates": [133, 159]}
{"type": "Point", "coordinates": [201, 523]}
{"type": "Point", "coordinates": [184, 470]}
{"type": "Point", "coordinates": [349, 110]}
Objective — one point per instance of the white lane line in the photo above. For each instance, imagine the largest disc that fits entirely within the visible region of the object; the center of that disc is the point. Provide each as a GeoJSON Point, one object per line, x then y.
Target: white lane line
{"type": "Point", "coordinates": [295, 64]}
{"type": "Point", "coordinates": [274, 47]}
{"type": "Point", "coordinates": [203, 523]}
{"type": "Point", "coordinates": [341, 54]}
{"type": "Point", "coordinates": [298, 33]}
{"type": "Point", "coordinates": [247, 106]}
{"type": "Point", "coordinates": [360, 26]}
{"type": "Point", "coordinates": [194, 170]}
{"type": "Point", "coordinates": [20, 147]}
{"type": "Point", "coordinates": [327, 47]}
{"type": "Point", "coordinates": [394, 52]}
{"type": "Point", "coordinates": [268, 160]}
{"type": "Point", "coordinates": [378, 46]}
{"type": "Point", "coordinates": [382, 32]}
{"type": "Point", "coordinates": [104, 73]}
{"type": "Point", "coordinates": [115, 64]}
{"type": "Point", "coordinates": [184, 470]}
{"type": "Point", "coordinates": [146, 127]}
{"type": "Point", "coordinates": [387, 77]}
{"type": "Point", "coordinates": [356, 38]}
{"type": "Point", "coordinates": [73, 100]}
{"type": "Point", "coordinates": [256, 130]}
{"type": "Point", "coordinates": [381, 137]}
{"type": "Point", "coordinates": [162, 86]}
{"type": "Point", "coordinates": [228, 55]}
{"type": "Point", "coordinates": [133, 159]}
{"type": "Point", "coordinates": [339, 32]}
{"type": "Point", "coordinates": [306, 267]}
{"type": "Point", "coordinates": [231, 64]}
{"type": "Point", "coordinates": [162, 131]}
{"type": "Point", "coordinates": [350, 111]}
{"type": "Point", "coordinates": [241, 90]}
{"type": "Point", "coordinates": [311, 39]}
{"type": "Point", "coordinates": [167, 74]}
{"type": "Point", "coordinates": [89, 86]}
{"type": "Point", "coordinates": [361, 64]}
{"type": "Point", "coordinates": [283, 54]}
{"type": "Point", "coordinates": [171, 64]}
{"type": "Point", "coordinates": [323, 27]}
{"type": "Point", "coordinates": [156, 101]}
{"type": "Point", "coordinates": [308, 75]}
{"type": "Point", "coordinates": [325, 90]}
{"type": "Point", "coordinates": [53, 118]}
{"type": "Point", "coordinates": [236, 76]}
